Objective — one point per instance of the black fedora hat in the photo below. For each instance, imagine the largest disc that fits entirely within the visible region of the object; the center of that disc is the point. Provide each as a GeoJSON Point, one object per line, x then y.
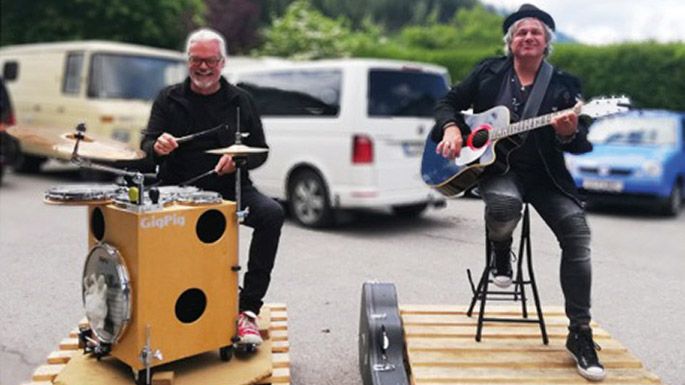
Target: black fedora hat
{"type": "Point", "coordinates": [528, 10]}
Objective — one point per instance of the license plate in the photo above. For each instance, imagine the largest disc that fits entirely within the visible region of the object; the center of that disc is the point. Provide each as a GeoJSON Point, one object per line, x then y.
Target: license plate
{"type": "Point", "coordinates": [603, 185]}
{"type": "Point", "coordinates": [412, 149]}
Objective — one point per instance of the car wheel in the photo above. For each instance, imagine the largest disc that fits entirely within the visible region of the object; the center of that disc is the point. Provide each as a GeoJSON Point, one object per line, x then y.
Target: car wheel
{"type": "Point", "coordinates": [410, 211]}
{"type": "Point", "coordinates": [308, 200]}
{"type": "Point", "coordinates": [674, 201]}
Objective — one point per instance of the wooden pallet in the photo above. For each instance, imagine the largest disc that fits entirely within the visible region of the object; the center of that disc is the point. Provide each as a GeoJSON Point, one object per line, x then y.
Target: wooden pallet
{"type": "Point", "coordinates": [442, 349]}
{"type": "Point", "coordinates": [61, 364]}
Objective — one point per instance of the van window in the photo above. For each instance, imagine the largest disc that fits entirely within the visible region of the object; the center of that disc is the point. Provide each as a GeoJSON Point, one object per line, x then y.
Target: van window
{"type": "Point", "coordinates": [72, 74]}
{"type": "Point", "coordinates": [115, 76]}
{"type": "Point", "coordinates": [404, 93]}
{"type": "Point", "coordinates": [300, 92]}
{"type": "Point", "coordinates": [10, 71]}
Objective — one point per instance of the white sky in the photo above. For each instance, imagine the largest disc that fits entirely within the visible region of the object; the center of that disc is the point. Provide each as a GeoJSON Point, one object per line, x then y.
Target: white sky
{"type": "Point", "coordinates": [611, 21]}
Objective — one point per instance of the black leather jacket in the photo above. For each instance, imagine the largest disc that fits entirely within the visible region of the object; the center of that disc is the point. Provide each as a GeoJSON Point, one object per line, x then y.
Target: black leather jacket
{"type": "Point", "coordinates": [172, 112]}
{"type": "Point", "coordinates": [479, 90]}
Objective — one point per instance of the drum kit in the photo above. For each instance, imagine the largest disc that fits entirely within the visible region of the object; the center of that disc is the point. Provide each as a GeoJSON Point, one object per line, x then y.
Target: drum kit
{"type": "Point", "coordinates": [145, 290]}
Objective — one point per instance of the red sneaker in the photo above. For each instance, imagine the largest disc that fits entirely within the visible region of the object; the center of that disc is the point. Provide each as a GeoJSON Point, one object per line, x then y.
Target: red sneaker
{"type": "Point", "coordinates": [248, 331]}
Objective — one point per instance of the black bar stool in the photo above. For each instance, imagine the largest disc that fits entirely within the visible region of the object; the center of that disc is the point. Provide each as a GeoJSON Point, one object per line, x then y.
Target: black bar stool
{"type": "Point", "coordinates": [484, 294]}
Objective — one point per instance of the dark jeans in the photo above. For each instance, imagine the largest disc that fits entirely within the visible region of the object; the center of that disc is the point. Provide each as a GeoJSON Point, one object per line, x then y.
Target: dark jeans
{"type": "Point", "coordinates": [504, 196]}
{"type": "Point", "coordinates": [266, 218]}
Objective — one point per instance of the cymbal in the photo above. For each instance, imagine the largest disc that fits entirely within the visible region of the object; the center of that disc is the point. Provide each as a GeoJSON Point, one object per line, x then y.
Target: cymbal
{"type": "Point", "coordinates": [97, 149]}
{"type": "Point", "coordinates": [62, 144]}
{"type": "Point", "coordinates": [238, 149]}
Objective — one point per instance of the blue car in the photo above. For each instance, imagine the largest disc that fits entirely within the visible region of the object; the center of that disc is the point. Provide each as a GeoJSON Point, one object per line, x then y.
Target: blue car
{"type": "Point", "coordinates": [638, 156]}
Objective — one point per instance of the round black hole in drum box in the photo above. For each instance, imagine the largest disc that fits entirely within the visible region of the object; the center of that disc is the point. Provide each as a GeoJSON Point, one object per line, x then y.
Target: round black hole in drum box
{"type": "Point", "coordinates": [97, 224]}
{"type": "Point", "coordinates": [190, 305]}
{"type": "Point", "coordinates": [211, 226]}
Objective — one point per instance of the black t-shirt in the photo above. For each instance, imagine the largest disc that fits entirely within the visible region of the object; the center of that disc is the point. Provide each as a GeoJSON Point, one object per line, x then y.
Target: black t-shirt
{"type": "Point", "coordinates": [526, 158]}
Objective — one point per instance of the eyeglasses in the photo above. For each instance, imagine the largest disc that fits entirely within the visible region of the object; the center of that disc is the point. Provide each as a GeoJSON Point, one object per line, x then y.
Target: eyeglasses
{"type": "Point", "coordinates": [210, 61]}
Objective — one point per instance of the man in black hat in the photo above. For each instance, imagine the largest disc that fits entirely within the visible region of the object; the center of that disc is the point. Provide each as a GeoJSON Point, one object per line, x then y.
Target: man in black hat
{"type": "Point", "coordinates": [531, 168]}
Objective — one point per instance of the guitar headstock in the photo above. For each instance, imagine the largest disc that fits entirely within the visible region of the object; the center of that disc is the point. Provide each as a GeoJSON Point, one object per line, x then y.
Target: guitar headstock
{"type": "Point", "coordinates": [598, 107]}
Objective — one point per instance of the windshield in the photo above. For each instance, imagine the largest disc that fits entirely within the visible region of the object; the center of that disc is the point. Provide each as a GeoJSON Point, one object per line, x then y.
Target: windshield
{"type": "Point", "coordinates": [404, 93]}
{"type": "Point", "coordinates": [295, 93]}
{"type": "Point", "coordinates": [116, 76]}
{"type": "Point", "coordinates": [634, 131]}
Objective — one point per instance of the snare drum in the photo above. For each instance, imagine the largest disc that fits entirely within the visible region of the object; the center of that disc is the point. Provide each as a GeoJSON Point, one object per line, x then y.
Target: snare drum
{"type": "Point", "coordinates": [173, 193]}
{"type": "Point", "coordinates": [199, 198]}
{"type": "Point", "coordinates": [81, 194]}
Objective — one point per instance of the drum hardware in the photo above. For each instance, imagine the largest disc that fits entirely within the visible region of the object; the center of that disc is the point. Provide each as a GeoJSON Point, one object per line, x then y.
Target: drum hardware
{"type": "Point", "coordinates": [135, 177]}
{"type": "Point", "coordinates": [146, 356]}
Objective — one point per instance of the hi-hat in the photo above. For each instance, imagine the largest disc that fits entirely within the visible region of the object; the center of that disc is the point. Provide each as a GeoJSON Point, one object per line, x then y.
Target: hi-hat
{"type": "Point", "coordinates": [238, 150]}
{"type": "Point", "coordinates": [97, 149]}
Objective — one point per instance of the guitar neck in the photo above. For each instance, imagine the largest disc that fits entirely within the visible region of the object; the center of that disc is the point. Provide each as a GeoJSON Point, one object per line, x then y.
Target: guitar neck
{"type": "Point", "coordinates": [526, 125]}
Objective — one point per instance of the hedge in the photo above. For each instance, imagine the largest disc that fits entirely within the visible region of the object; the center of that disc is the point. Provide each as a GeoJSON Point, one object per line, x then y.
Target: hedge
{"type": "Point", "coordinates": [651, 74]}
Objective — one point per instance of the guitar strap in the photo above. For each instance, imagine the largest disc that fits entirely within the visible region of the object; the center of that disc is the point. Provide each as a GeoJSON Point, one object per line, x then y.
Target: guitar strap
{"type": "Point", "coordinates": [537, 93]}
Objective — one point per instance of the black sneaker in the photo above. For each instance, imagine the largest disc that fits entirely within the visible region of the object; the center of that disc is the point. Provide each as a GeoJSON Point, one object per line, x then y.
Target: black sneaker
{"type": "Point", "coordinates": [584, 350]}
{"type": "Point", "coordinates": [502, 273]}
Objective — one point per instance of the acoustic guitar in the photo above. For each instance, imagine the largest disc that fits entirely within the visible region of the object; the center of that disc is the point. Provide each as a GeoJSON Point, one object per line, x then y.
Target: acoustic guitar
{"type": "Point", "coordinates": [492, 139]}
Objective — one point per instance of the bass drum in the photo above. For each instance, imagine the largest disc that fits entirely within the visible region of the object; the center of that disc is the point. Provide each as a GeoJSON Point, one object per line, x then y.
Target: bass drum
{"type": "Point", "coordinates": [106, 292]}
{"type": "Point", "coordinates": [381, 337]}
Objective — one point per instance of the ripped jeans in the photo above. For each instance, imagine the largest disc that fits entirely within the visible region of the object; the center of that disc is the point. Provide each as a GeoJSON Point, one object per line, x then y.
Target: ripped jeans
{"type": "Point", "coordinates": [504, 196]}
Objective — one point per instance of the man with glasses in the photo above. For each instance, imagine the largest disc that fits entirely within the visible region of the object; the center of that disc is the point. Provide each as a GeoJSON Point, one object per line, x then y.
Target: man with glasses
{"type": "Point", "coordinates": [203, 101]}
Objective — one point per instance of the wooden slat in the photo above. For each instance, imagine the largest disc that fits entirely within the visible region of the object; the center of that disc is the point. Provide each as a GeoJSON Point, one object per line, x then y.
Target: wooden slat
{"type": "Point", "coordinates": [61, 356]}
{"type": "Point", "coordinates": [441, 349]}
{"type": "Point", "coordinates": [568, 375]}
{"type": "Point", "coordinates": [496, 331]}
{"type": "Point", "coordinates": [280, 357]}
{"type": "Point", "coordinates": [68, 344]}
{"type": "Point", "coordinates": [517, 359]}
{"type": "Point", "coordinates": [47, 372]}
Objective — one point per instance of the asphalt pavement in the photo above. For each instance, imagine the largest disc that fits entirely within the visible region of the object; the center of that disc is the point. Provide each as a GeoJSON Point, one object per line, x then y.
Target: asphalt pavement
{"type": "Point", "coordinates": [638, 290]}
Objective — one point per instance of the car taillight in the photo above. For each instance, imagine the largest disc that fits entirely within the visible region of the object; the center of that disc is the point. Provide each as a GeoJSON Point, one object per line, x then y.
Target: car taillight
{"type": "Point", "coordinates": [362, 149]}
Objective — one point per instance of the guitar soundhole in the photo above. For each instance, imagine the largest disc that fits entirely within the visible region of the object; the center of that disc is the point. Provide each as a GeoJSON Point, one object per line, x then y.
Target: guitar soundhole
{"type": "Point", "coordinates": [480, 138]}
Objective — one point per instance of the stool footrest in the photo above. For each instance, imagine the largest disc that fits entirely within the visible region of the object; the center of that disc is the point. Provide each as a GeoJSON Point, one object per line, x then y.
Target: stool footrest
{"type": "Point", "coordinates": [483, 294]}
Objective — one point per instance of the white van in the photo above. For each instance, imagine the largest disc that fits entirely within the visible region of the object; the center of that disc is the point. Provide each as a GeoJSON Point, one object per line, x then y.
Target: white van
{"type": "Point", "coordinates": [109, 86]}
{"type": "Point", "coordinates": [345, 133]}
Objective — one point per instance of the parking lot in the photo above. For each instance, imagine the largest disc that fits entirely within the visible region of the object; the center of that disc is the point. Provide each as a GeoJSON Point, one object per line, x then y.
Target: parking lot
{"type": "Point", "coordinates": [637, 294]}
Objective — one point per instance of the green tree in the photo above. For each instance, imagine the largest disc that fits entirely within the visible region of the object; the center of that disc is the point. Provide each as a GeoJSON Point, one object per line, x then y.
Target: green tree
{"type": "Point", "coordinates": [305, 33]}
{"type": "Point", "coordinates": [474, 26]}
{"type": "Point", "coordinates": [161, 23]}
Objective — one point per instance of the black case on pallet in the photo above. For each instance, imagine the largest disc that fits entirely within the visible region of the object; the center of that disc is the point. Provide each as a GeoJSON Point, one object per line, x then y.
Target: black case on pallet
{"type": "Point", "coordinates": [381, 336]}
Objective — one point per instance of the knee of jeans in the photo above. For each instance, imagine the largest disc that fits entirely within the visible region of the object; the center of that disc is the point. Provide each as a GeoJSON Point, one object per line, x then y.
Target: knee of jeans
{"type": "Point", "coordinates": [503, 208]}
{"type": "Point", "coordinates": [275, 216]}
{"type": "Point", "coordinates": [574, 233]}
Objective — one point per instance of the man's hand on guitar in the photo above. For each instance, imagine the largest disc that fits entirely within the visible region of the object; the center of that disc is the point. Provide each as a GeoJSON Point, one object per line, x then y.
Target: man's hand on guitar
{"type": "Point", "coordinates": [451, 143]}
{"type": "Point", "coordinates": [566, 124]}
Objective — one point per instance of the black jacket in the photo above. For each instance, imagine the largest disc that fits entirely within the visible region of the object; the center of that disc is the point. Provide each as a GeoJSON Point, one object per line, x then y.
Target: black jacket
{"type": "Point", "coordinates": [479, 90]}
{"type": "Point", "coordinates": [172, 112]}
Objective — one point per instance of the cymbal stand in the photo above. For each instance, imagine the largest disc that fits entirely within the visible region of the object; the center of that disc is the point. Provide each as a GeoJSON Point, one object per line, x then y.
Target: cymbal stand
{"type": "Point", "coordinates": [240, 162]}
{"type": "Point", "coordinates": [136, 177]}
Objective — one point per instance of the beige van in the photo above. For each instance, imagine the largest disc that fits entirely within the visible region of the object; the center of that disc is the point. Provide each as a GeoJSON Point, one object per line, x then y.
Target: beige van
{"type": "Point", "coordinates": [109, 86]}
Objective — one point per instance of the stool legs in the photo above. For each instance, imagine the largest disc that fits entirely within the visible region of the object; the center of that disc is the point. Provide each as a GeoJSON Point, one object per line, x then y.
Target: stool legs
{"type": "Point", "coordinates": [482, 292]}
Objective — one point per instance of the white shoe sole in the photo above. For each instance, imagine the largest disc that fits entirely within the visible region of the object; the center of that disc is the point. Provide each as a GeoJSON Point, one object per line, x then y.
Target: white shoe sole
{"type": "Point", "coordinates": [502, 281]}
{"type": "Point", "coordinates": [598, 376]}
{"type": "Point", "coordinates": [250, 340]}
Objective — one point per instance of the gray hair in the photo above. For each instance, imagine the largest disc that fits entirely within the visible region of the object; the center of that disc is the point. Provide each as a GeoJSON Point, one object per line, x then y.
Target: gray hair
{"type": "Point", "coordinates": [550, 36]}
{"type": "Point", "coordinates": [206, 34]}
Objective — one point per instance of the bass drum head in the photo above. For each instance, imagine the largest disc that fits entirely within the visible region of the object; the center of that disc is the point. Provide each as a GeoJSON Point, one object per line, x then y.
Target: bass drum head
{"type": "Point", "coordinates": [106, 293]}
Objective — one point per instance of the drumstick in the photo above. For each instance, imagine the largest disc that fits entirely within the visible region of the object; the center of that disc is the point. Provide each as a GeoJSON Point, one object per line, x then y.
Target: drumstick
{"type": "Point", "coordinates": [196, 178]}
{"type": "Point", "coordinates": [188, 138]}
